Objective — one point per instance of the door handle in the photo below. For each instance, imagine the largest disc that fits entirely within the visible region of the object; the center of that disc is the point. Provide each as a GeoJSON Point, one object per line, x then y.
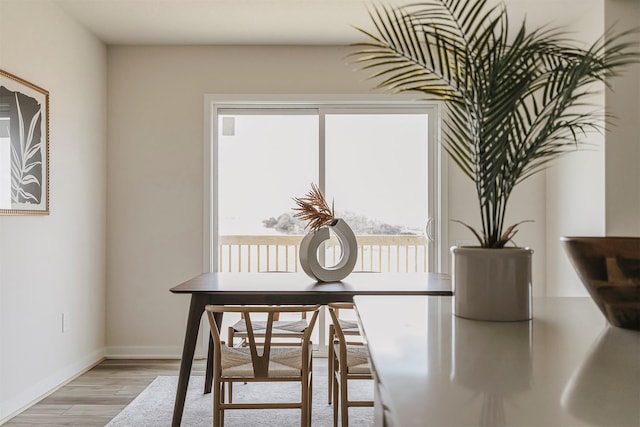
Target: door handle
{"type": "Point", "coordinates": [429, 229]}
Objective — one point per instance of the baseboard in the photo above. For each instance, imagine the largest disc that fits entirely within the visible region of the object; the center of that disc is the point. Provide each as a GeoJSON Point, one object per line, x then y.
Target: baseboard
{"type": "Point", "coordinates": [44, 388]}
{"type": "Point", "coordinates": [148, 352]}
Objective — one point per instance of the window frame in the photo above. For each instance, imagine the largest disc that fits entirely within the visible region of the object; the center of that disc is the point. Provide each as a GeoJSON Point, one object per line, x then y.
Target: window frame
{"type": "Point", "coordinates": [437, 167]}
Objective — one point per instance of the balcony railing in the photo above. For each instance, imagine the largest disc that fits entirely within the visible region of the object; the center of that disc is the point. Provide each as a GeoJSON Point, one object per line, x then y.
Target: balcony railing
{"type": "Point", "coordinates": [382, 253]}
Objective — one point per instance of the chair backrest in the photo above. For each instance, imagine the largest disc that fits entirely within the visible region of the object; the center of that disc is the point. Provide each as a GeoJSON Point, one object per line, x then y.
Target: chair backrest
{"type": "Point", "coordinates": [334, 309]}
{"type": "Point", "coordinates": [260, 361]}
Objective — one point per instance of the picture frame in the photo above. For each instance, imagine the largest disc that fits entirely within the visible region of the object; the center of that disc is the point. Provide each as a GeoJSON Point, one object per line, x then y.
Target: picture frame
{"type": "Point", "coordinates": [24, 147]}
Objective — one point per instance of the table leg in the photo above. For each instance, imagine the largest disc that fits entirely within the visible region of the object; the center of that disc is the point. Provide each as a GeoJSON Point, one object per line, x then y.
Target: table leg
{"type": "Point", "coordinates": [191, 336]}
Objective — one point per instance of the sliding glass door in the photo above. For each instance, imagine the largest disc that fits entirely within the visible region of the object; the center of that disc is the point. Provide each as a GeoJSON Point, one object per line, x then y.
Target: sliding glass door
{"type": "Point", "coordinates": [372, 162]}
{"type": "Point", "coordinates": [376, 162]}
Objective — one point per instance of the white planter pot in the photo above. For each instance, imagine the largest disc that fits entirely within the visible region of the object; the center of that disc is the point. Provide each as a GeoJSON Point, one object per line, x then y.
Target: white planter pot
{"type": "Point", "coordinates": [492, 284]}
{"type": "Point", "coordinates": [309, 253]}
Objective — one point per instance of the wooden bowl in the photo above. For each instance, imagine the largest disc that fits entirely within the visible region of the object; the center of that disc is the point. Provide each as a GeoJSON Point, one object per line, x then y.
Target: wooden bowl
{"type": "Point", "coordinates": [609, 267]}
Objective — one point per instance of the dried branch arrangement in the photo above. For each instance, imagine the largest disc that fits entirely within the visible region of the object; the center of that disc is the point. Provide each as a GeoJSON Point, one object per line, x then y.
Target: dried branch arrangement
{"type": "Point", "coordinates": [314, 208]}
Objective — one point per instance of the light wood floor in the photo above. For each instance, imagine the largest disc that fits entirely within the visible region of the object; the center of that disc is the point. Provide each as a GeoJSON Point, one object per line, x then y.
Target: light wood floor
{"type": "Point", "coordinates": [97, 396]}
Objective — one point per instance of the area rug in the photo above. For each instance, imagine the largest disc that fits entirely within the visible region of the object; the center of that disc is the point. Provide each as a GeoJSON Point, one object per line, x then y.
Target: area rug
{"type": "Point", "coordinates": [154, 406]}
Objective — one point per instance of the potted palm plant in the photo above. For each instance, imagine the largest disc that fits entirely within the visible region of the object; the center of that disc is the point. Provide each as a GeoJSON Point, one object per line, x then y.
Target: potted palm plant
{"type": "Point", "coordinates": [515, 100]}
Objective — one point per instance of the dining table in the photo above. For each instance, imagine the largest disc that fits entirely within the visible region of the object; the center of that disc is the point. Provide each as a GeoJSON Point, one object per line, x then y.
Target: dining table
{"type": "Point", "coordinates": [283, 288]}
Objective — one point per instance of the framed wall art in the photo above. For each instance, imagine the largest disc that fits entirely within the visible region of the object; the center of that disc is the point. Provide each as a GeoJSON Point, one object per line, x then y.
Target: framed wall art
{"type": "Point", "coordinates": [24, 147]}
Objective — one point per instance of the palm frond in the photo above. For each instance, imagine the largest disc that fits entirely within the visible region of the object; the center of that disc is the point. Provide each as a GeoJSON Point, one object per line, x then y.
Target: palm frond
{"type": "Point", "coordinates": [516, 98]}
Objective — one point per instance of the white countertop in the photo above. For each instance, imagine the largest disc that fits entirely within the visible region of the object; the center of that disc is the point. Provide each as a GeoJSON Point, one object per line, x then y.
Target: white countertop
{"type": "Point", "coordinates": [566, 367]}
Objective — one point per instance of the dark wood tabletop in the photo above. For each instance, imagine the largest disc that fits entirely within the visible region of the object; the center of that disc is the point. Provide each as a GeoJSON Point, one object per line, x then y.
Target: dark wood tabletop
{"type": "Point", "coordinates": [283, 288]}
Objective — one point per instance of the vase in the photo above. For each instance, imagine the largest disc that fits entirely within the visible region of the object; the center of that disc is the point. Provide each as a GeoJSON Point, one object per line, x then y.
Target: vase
{"type": "Point", "coordinates": [492, 284]}
{"type": "Point", "coordinates": [309, 252]}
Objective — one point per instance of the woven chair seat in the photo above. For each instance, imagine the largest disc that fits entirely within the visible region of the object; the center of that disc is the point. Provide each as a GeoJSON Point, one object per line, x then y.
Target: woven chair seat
{"type": "Point", "coordinates": [280, 327]}
{"type": "Point", "coordinates": [349, 326]}
{"type": "Point", "coordinates": [357, 358]}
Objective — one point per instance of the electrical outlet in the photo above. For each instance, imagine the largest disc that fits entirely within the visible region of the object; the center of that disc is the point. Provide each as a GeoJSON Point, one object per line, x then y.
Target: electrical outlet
{"type": "Point", "coordinates": [65, 322]}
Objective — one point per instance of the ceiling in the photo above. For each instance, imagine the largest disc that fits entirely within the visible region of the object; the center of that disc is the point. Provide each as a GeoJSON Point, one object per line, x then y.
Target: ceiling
{"type": "Point", "coordinates": [298, 22]}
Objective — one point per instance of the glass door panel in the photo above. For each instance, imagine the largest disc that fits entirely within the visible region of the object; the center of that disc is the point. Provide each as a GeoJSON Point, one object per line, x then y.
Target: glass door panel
{"type": "Point", "coordinates": [376, 171]}
{"type": "Point", "coordinates": [264, 159]}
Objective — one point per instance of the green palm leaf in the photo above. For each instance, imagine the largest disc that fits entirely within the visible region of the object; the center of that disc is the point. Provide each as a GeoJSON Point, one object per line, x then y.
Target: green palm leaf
{"type": "Point", "coordinates": [514, 103]}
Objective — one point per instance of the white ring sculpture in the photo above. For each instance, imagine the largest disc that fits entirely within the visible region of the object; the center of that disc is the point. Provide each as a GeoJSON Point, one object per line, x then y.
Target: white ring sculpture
{"type": "Point", "coordinates": [309, 253]}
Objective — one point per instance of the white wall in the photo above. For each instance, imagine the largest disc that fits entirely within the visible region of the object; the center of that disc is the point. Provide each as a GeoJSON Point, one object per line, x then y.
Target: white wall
{"type": "Point", "coordinates": [155, 176]}
{"type": "Point", "coordinates": [55, 263]}
{"type": "Point", "coordinates": [623, 136]}
{"type": "Point", "coordinates": [575, 200]}
{"type": "Point", "coordinates": [597, 192]}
